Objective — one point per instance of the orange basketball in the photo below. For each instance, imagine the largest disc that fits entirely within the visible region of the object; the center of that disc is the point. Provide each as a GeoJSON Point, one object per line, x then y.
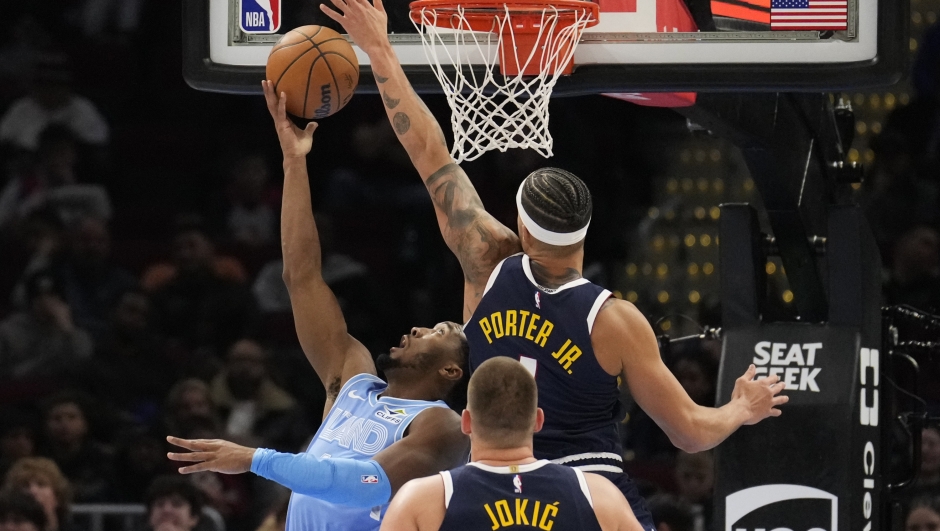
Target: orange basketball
{"type": "Point", "coordinates": [317, 69]}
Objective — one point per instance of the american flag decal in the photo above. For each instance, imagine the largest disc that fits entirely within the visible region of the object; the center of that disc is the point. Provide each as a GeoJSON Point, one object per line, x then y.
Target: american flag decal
{"type": "Point", "coordinates": [790, 15]}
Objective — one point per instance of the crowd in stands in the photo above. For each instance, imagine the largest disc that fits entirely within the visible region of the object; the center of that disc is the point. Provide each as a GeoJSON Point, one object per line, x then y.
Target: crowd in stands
{"type": "Point", "coordinates": [140, 272]}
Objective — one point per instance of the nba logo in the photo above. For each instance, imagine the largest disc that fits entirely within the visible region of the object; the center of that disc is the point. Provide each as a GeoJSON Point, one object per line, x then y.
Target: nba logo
{"type": "Point", "coordinates": [259, 16]}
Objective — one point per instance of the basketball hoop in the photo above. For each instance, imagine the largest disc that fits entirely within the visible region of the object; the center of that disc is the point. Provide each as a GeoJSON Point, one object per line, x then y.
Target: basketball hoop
{"type": "Point", "coordinates": [534, 42]}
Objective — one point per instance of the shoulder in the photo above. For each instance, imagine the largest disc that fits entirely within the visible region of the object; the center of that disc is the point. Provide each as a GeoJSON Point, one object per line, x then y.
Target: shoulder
{"type": "Point", "coordinates": [441, 421]}
{"type": "Point", "coordinates": [419, 504]}
{"type": "Point", "coordinates": [418, 489]}
{"type": "Point", "coordinates": [618, 317]}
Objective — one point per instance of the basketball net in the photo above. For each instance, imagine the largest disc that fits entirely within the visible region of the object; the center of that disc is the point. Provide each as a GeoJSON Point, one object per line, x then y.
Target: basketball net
{"type": "Point", "coordinates": [506, 107]}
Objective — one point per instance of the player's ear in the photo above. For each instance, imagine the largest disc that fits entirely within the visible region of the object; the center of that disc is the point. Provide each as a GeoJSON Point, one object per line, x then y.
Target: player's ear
{"type": "Point", "coordinates": [539, 420]}
{"type": "Point", "coordinates": [465, 422]}
{"type": "Point", "coordinates": [451, 371]}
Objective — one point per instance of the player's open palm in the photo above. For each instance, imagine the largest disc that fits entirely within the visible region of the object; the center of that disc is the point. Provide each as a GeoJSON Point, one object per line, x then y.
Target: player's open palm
{"type": "Point", "coordinates": [295, 142]}
{"type": "Point", "coordinates": [365, 23]}
{"type": "Point", "coordinates": [212, 455]}
{"type": "Point", "coordinates": [760, 396]}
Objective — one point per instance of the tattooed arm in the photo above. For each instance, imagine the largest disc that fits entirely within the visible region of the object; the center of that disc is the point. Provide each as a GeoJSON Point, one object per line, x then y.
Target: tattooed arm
{"type": "Point", "coordinates": [476, 237]}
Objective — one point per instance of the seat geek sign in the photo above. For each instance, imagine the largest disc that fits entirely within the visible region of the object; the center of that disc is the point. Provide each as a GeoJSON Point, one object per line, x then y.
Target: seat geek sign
{"type": "Point", "coordinates": [814, 468]}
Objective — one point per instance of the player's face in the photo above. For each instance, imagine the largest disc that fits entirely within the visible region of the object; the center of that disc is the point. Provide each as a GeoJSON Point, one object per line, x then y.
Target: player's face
{"type": "Point", "coordinates": [423, 348]}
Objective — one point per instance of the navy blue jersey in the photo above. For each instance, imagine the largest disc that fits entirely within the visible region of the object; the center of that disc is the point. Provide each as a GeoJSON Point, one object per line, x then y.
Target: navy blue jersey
{"type": "Point", "coordinates": [540, 495]}
{"type": "Point", "coordinates": [549, 331]}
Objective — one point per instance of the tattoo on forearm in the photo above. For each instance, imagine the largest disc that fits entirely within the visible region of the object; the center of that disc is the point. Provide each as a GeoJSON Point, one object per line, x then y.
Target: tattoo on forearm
{"type": "Point", "coordinates": [401, 122]}
{"type": "Point", "coordinates": [380, 79]}
{"type": "Point", "coordinates": [390, 102]}
{"type": "Point", "coordinates": [477, 239]}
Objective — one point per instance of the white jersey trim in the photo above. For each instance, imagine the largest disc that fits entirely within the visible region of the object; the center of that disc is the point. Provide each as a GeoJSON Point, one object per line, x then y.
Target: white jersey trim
{"type": "Point", "coordinates": [599, 468]}
{"type": "Point", "coordinates": [527, 269]}
{"type": "Point", "coordinates": [584, 487]}
{"type": "Point", "coordinates": [601, 299]}
{"type": "Point", "coordinates": [490, 281]}
{"type": "Point", "coordinates": [448, 487]}
{"type": "Point", "coordinates": [588, 455]}
{"type": "Point", "coordinates": [515, 469]}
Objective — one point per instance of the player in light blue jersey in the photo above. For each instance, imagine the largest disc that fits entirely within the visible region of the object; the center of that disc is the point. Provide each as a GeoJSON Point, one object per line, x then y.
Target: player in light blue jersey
{"type": "Point", "coordinates": [375, 436]}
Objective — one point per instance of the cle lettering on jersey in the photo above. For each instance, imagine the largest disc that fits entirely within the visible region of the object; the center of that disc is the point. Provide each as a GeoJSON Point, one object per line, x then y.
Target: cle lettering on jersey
{"type": "Point", "coordinates": [541, 516]}
{"type": "Point", "coordinates": [523, 323]}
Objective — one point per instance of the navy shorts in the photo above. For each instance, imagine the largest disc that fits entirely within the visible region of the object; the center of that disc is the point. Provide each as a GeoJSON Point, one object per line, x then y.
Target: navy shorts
{"type": "Point", "coordinates": [630, 491]}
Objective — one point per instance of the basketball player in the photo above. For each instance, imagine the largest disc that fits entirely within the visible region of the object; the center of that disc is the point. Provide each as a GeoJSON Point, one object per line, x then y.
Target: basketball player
{"type": "Point", "coordinates": [534, 305]}
{"type": "Point", "coordinates": [505, 486]}
{"type": "Point", "coordinates": [375, 435]}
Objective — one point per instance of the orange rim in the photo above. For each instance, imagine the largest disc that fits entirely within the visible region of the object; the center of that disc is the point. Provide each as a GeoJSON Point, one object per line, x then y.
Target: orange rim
{"type": "Point", "coordinates": [480, 14]}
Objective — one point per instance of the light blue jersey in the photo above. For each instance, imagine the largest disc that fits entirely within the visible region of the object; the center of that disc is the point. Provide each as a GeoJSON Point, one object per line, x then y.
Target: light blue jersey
{"type": "Point", "coordinates": [360, 425]}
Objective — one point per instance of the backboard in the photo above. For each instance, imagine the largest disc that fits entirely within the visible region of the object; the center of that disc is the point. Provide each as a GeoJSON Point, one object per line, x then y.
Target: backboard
{"type": "Point", "coordinates": [638, 46]}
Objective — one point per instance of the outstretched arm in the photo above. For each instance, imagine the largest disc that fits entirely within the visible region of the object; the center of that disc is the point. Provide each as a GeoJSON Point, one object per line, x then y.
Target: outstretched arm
{"type": "Point", "coordinates": [434, 442]}
{"type": "Point", "coordinates": [625, 343]}
{"type": "Point", "coordinates": [476, 237]}
{"type": "Point", "coordinates": [335, 355]}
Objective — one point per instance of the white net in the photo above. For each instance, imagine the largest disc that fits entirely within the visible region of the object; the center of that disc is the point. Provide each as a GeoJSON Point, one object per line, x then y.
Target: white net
{"type": "Point", "coordinates": [490, 110]}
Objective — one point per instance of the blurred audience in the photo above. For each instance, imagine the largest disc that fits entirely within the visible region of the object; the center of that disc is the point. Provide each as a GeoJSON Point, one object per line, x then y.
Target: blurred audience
{"type": "Point", "coordinates": [90, 280]}
{"type": "Point", "coordinates": [915, 270]}
{"type": "Point", "coordinates": [670, 513]}
{"type": "Point", "coordinates": [201, 298]}
{"type": "Point", "coordinates": [173, 504]}
{"type": "Point", "coordinates": [695, 480]}
{"type": "Point", "coordinates": [254, 410]}
{"type": "Point", "coordinates": [17, 438]}
{"type": "Point", "coordinates": [131, 368]}
{"type": "Point", "coordinates": [189, 403]}
{"type": "Point", "coordinates": [68, 441]}
{"type": "Point", "coordinates": [923, 515]}
{"type": "Point", "coordinates": [252, 204]}
{"type": "Point", "coordinates": [20, 512]}
{"type": "Point", "coordinates": [42, 341]}
{"type": "Point", "coordinates": [41, 478]}
{"type": "Point", "coordinates": [928, 479]}
{"type": "Point", "coordinates": [140, 459]}
{"type": "Point", "coordinates": [51, 100]}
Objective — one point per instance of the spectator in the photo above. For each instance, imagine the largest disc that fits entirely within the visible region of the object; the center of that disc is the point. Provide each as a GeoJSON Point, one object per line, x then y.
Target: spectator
{"type": "Point", "coordinates": [255, 411]}
{"type": "Point", "coordinates": [923, 515]}
{"type": "Point", "coordinates": [44, 239]}
{"type": "Point", "coordinates": [189, 402]}
{"type": "Point", "coordinates": [52, 101]}
{"type": "Point", "coordinates": [42, 479]}
{"type": "Point", "coordinates": [698, 375]}
{"type": "Point", "coordinates": [20, 512]}
{"type": "Point", "coordinates": [915, 270]}
{"type": "Point", "coordinates": [928, 479]}
{"type": "Point", "coordinates": [130, 368]}
{"type": "Point", "coordinates": [251, 214]}
{"type": "Point", "coordinates": [695, 479]}
{"type": "Point", "coordinates": [84, 461]}
{"type": "Point", "coordinates": [670, 513]}
{"type": "Point", "coordinates": [91, 282]}
{"type": "Point", "coordinates": [17, 438]}
{"type": "Point", "coordinates": [201, 298]}
{"type": "Point", "coordinates": [140, 459]}
{"type": "Point", "coordinates": [43, 341]}
{"type": "Point", "coordinates": [276, 520]}
{"type": "Point", "coordinates": [173, 504]}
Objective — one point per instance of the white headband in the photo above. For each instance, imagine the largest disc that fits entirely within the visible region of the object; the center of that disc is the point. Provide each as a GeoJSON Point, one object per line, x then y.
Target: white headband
{"type": "Point", "coordinates": [560, 239]}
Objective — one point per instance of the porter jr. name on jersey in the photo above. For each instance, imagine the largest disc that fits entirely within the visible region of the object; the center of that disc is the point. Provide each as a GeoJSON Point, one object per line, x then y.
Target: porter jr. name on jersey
{"type": "Point", "coordinates": [523, 323]}
{"type": "Point", "coordinates": [541, 515]}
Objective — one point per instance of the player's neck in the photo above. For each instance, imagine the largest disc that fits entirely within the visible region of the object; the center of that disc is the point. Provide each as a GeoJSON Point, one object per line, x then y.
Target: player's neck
{"type": "Point", "coordinates": [409, 390]}
{"type": "Point", "coordinates": [555, 271]}
{"type": "Point", "coordinates": [484, 454]}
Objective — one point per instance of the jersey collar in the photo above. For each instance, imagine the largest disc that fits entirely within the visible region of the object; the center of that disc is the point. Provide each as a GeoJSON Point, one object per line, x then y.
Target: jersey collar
{"type": "Point", "coordinates": [527, 269]}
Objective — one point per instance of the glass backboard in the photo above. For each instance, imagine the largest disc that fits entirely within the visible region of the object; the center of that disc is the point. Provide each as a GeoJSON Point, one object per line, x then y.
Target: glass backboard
{"type": "Point", "coordinates": [638, 45]}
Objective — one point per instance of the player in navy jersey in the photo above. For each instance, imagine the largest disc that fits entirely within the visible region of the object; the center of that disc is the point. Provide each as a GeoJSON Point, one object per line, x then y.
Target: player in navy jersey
{"type": "Point", "coordinates": [506, 487]}
{"type": "Point", "coordinates": [536, 307]}
{"type": "Point", "coordinates": [375, 435]}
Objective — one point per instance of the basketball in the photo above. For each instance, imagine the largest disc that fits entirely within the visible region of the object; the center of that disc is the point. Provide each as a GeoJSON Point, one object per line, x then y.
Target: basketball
{"type": "Point", "coordinates": [317, 68]}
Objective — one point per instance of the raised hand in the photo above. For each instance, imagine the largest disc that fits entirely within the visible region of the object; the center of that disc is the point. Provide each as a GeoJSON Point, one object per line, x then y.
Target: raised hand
{"type": "Point", "coordinates": [760, 396]}
{"type": "Point", "coordinates": [295, 142]}
{"type": "Point", "coordinates": [365, 23]}
{"type": "Point", "coordinates": [212, 455]}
